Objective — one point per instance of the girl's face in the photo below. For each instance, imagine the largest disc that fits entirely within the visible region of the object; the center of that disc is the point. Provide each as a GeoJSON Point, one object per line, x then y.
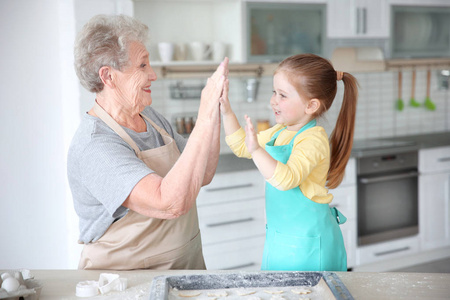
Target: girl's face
{"type": "Point", "coordinates": [289, 107]}
{"type": "Point", "coordinates": [134, 81]}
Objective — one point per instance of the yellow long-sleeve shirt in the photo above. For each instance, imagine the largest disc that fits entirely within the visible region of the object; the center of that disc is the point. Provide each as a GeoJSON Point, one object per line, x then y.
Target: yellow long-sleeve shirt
{"type": "Point", "coordinates": [307, 166]}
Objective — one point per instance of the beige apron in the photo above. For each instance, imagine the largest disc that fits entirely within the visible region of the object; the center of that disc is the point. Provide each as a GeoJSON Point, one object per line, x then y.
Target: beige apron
{"type": "Point", "coordinates": [139, 242]}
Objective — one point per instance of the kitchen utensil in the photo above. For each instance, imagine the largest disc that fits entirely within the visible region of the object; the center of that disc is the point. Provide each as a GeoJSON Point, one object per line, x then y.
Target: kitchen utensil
{"type": "Point", "coordinates": [412, 101]}
{"type": "Point", "coordinates": [428, 103]}
{"type": "Point", "coordinates": [218, 51]}
{"type": "Point", "coordinates": [399, 104]}
{"type": "Point", "coordinates": [251, 87]}
{"type": "Point", "coordinates": [165, 51]}
{"type": "Point", "coordinates": [200, 51]}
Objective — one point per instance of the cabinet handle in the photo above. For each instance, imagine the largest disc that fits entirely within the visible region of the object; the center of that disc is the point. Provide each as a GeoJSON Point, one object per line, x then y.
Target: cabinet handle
{"type": "Point", "coordinates": [392, 251]}
{"type": "Point", "coordinates": [237, 186]}
{"type": "Point", "coordinates": [364, 20]}
{"type": "Point", "coordinates": [230, 222]}
{"type": "Point", "coordinates": [389, 177]}
{"type": "Point", "coordinates": [444, 159]}
{"type": "Point", "coordinates": [240, 266]}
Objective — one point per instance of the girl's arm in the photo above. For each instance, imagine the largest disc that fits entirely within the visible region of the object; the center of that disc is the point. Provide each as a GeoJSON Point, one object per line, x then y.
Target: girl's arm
{"type": "Point", "coordinates": [265, 163]}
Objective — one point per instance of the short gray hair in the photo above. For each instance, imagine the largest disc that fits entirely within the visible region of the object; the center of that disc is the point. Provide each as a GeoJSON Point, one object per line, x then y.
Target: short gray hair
{"type": "Point", "coordinates": [104, 41]}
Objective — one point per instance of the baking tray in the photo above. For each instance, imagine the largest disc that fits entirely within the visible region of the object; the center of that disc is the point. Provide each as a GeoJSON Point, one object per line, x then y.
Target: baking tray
{"type": "Point", "coordinates": [162, 285]}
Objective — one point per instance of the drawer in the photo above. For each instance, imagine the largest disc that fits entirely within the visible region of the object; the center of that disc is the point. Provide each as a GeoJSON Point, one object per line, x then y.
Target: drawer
{"type": "Point", "coordinates": [232, 186]}
{"type": "Point", "coordinates": [434, 160]}
{"type": "Point", "coordinates": [387, 250]}
{"type": "Point", "coordinates": [344, 199]}
{"type": "Point", "coordinates": [232, 220]}
{"type": "Point", "coordinates": [243, 254]}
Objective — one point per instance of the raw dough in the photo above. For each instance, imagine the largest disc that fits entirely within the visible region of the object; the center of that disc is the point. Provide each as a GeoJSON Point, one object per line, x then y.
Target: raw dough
{"type": "Point", "coordinates": [301, 291]}
{"type": "Point", "coordinates": [245, 292]}
{"type": "Point", "coordinates": [273, 292]}
{"type": "Point", "coordinates": [187, 294]}
{"type": "Point", "coordinates": [218, 294]}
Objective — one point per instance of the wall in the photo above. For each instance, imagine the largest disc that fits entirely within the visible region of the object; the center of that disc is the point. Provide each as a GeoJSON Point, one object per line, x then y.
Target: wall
{"type": "Point", "coordinates": [37, 106]}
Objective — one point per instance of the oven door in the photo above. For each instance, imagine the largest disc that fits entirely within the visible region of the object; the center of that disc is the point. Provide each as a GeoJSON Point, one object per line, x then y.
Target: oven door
{"type": "Point", "coordinates": [387, 206]}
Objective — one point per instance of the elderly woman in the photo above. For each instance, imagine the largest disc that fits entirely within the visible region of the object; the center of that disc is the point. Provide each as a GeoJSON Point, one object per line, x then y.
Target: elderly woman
{"type": "Point", "coordinates": [134, 180]}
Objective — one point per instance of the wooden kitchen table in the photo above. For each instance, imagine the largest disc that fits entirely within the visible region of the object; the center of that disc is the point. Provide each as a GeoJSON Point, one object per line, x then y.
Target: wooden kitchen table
{"type": "Point", "coordinates": [61, 284]}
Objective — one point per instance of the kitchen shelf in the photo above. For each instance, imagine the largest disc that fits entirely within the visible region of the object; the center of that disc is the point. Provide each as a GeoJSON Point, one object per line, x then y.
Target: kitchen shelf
{"type": "Point", "coordinates": [426, 63]}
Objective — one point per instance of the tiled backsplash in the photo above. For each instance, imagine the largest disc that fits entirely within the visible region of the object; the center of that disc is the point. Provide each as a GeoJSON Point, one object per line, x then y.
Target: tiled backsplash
{"type": "Point", "coordinates": [376, 115]}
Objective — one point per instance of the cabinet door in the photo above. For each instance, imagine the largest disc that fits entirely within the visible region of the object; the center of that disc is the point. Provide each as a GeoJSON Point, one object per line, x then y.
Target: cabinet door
{"type": "Point", "coordinates": [434, 203]}
{"type": "Point", "coordinates": [420, 31]}
{"type": "Point", "coordinates": [277, 30]}
{"type": "Point", "coordinates": [357, 18]}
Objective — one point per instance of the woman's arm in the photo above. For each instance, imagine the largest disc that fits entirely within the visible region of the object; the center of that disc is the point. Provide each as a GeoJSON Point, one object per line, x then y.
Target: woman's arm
{"type": "Point", "coordinates": [174, 195]}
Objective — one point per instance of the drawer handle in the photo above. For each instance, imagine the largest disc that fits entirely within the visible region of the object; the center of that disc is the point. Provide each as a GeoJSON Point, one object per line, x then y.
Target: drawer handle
{"type": "Point", "coordinates": [392, 251]}
{"type": "Point", "coordinates": [240, 266]}
{"type": "Point", "coordinates": [238, 186]}
{"type": "Point", "coordinates": [444, 159]}
{"type": "Point", "coordinates": [230, 222]}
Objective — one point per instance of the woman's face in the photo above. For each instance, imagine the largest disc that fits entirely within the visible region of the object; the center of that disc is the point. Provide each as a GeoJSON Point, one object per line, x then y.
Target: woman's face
{"type": "Point", "coordinates": [134, 81]}
{"type": "Point", "coordinates": [288, 106]}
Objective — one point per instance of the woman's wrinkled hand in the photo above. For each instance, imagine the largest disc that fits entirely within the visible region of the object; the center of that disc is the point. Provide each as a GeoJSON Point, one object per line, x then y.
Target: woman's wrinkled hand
{"type": "Point", "coordinates": [211, 93]}
{"type": "Point", "coordinates": [251, 140]}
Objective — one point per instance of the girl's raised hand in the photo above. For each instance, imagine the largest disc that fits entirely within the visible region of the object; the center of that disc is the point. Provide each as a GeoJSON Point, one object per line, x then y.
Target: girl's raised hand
{"type": "Point", "coordinates": [225, 106]}
{"type": "Point", "coordinates": [251, 140]}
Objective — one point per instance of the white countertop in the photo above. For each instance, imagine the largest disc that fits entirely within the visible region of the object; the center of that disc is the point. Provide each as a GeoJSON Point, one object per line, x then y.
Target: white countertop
{"type": "Point", "coordinates": [61, 284]}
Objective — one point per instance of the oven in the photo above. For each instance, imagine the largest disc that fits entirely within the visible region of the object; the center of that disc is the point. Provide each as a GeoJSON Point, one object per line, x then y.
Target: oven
{"type": "Point", "coordinates": [387, 197]}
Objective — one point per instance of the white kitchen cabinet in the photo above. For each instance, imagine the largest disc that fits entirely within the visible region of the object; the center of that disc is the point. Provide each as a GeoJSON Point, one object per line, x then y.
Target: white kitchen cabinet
{"type": "Point", "coordinates": [387, 250]}
{"type": "Point", "coordinates": [344, 199]}
{"type": "Point", "coordinates": [358, 19]}
{"type": "Point", "coordinates": [232, 220]}
{"type": "Point", "coordinates": [420, 31]}
{"type": "Point", "coordinates": [434, 197]}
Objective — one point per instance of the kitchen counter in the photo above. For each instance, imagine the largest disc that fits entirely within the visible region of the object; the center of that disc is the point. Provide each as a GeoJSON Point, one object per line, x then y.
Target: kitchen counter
{"type": "Point", "coordinates": [399, 144]}
{"type": "Point", "coordinates": [61, 284]}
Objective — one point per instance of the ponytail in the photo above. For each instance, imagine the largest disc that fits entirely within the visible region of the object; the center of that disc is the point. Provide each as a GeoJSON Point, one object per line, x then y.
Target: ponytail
{"type": "Point", "coordinates": [341, 139]}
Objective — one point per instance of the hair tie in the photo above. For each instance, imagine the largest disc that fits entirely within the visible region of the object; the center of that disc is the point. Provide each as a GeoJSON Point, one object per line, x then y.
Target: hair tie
{"type": "Point", "coordinates": [339, 75]}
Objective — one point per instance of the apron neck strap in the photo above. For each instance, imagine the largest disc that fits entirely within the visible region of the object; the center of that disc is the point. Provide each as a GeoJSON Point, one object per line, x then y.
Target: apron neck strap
{"type": "Point", "coordinates": [105, 117]}
{"type": "Point", "coordinates": [309, 125]}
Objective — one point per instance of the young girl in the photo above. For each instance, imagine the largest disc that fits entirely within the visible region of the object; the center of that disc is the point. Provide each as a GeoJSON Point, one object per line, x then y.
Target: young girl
{"type": "Point", "coordinates": [294, 156]}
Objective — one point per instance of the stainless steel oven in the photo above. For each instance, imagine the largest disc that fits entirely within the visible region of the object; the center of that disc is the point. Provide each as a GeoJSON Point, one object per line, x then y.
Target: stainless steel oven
{"type": "Point", "coordinates": [387, 197]}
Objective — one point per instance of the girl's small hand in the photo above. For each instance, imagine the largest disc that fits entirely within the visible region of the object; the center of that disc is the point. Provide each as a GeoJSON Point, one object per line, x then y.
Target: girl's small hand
{"type": "Point", "coordinates": [251, 140]}
{"type": "Point", "coordinates": [225, 106]}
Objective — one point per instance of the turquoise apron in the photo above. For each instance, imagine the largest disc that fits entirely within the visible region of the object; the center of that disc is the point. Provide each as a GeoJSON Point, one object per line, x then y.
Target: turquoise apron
{"type": "Point", "coordinates": [301, 235]}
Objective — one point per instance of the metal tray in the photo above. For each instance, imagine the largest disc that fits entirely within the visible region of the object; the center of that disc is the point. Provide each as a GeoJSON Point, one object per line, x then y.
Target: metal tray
{"type": "Point", "coordinates": [161, 285]}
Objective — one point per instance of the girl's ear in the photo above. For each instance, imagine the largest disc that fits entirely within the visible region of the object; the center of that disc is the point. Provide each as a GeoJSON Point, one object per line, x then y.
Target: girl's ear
{"type": "Point", "coordinates": [106, 76]}
{"type": "Point", "coordinates": [313, 106]}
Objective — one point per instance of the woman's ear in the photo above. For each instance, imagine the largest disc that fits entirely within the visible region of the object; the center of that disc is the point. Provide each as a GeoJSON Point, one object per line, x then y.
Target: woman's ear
{"type": "Point", "coordinates": [313, 106]}
{"type": "Point", "coordinates": [106, 76]}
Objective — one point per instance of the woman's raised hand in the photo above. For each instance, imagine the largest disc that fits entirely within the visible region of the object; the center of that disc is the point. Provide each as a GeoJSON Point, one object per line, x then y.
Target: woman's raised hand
{"type": "Point", "coordinates": [211, 93]}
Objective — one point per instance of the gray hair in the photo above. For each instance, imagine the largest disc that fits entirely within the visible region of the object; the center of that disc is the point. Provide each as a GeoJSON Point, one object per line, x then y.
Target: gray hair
{"type": "Point", "coordinates": [104, 41]}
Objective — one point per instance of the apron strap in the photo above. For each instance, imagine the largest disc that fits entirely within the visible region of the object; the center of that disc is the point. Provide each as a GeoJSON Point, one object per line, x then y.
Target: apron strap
{"type": "Point", "coordinates": [340, 218]}
{"type": "Point", "coordinates": [105, 117]}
